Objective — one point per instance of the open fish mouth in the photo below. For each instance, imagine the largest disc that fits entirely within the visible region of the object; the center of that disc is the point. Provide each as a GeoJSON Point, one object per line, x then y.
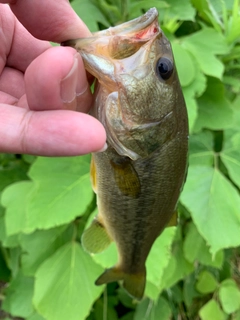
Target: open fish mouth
{"type": "Point", "coordinates": [121, 41]}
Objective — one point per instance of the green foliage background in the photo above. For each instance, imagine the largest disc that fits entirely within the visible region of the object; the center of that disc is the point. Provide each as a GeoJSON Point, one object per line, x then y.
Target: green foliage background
{"type": "Point", "coordinates": [194, 269]}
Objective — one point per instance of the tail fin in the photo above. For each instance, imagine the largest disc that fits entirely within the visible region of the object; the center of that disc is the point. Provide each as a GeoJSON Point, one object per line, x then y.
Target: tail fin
{"type": "Point", "coordinates": [134, 283]}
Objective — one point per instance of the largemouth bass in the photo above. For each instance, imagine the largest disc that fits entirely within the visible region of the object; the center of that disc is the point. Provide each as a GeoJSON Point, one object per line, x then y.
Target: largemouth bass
{"type": "Point", "coordinates": [139, 177]}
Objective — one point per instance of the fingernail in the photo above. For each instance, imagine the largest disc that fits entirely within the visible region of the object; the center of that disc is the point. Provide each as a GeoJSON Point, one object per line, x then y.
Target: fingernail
{"type": "Point", "coordinates": [104, 148]}
{"type": "Point", "coordinates": [75, 83]}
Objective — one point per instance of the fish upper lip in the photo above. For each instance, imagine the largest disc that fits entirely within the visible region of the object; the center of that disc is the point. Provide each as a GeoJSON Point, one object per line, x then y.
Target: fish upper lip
{"type": "Point", "coordinates": [132, 26]}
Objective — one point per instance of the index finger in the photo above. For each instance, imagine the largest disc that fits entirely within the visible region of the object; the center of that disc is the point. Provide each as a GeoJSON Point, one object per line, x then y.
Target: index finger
{"type": "Point", "coordinates": [52, 20]}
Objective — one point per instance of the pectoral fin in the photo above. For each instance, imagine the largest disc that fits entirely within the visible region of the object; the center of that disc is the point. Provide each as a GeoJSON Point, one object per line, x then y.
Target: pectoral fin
{"type": "Point", "coordinates": [95, 238]}
{"type": "Point", "coordinates": [134, 284]}
{"type": "Point", "coordinates": [126, 177]}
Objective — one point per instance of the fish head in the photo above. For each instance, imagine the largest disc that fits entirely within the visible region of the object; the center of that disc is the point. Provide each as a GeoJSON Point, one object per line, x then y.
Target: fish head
{"type": "Point", "coordinates": [135, 61]}
{"type": "Point", "coordinates": [135, 52]}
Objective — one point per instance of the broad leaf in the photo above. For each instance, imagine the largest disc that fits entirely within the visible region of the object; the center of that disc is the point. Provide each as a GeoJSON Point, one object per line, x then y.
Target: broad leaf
{"type": "Point", "coordinates": [214, 205]}
{"type": "Point", "coordinates": [90, 14]}
{"type": "Point", "coordinates": [18, 301]}
{"type": "Point", "coordinates": [62, 191]}
{"type": "Point", "coordinates": [177, 268]}
{"type": "Point", "coordinates": [201, 149]}
{"type": "Point", "coordinates": [40, 245]}
{"type": "Point", "coordinates": [16, 216]}
{"type": "Point", "coordinates": [64, 287]}
{"type": "Point", "coordinates": [211, 310]}
{"type": "Point", "coordinates": [204, 46]}
{"type": "Point", "coordinates": [214, 109]}
{"type": "Point", "coordinates": [150, 310]}
{"type": "Point", "coordinates": [195, 249]}
{"type": "Point", "coordinates": [229, 295]}
{"type": "Point", "coordinates": [185, 64]}
{"type": "Point", "coordinates": [180, 10]}
{"type": "Point", "coordinates": [206, 282]}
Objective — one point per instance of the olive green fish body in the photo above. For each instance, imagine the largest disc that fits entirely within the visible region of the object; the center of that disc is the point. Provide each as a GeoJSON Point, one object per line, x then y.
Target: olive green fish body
{"type": "Point", "coordinates": [138, 179]}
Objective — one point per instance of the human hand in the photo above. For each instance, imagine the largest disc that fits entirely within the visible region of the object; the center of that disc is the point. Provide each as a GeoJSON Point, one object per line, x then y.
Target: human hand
{"type": "Point", "coordinates": [42, 87]}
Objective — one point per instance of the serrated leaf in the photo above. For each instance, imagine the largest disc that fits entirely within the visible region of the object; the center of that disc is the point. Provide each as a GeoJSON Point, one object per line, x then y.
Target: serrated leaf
{"type": "Point", "coordinates": [150, 310]}
{"type": "Point", "coordinates": [35, 316]}
{"type": "Point", "coordinates": [206, 282]}
{"type": "Point", "coordinates": [204, 46]}
{"type": "Point", "coordinates": [195, 249]}
{"type": "Point", "coordinates": [11, 170]}
{"type": "Point", "coordinates": [214, 109]}
{"type": "Point", "coordinates": [211, 310]}
{"type": "Point", "coordinates": [40, 245]}
{"type": "Point", "coordinates": [229, 295]}
{"type": "Point", "coordinates": [184, 63]}
{"type": "Point", "coordinates": [201, 149]}
{"type": "Point", "coordinates": [136, 7]}
{"type": "Point", "coordinates": [90, 14]}
{"type": "Point", "coordinates": [191, 92]}
{"type": "Point", "coordinates": [192, 108]}
{"type": "Point", "coordinates": [179, 10]}
{"type": "Point", "coordinates": [62, 191]}
{"type": "Point", "coordinates": [7, 241]}
{"type": "Point", "coordinates": [214, 205]}
{"type": "Point", "coordinates": [18, 301]}
{"type": "Point", "coordinates": [159, 256]}
{"type": "Point", "coordinates": [16, 210]}
{"type": "Point", "coordinates": [231, 155]}
{"type": "Point", "coordinates": [189, 290]}
{"type": "Point", "coordinates": [177, 268]}
{"type": "Point", "coordinates": [64, 286]}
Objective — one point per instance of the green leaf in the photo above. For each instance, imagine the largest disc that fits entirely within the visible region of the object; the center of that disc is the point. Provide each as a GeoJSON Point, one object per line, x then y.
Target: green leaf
{"type": "Point", "coordinates": [185, 64]}
{"type": "Point", "coordinates": [136, 7]}
{"type": "Point", "coordinates": [7, 241]}
{"type": "Point", "coordinates": [214, 109]}
{"type": "Point", "coordinates": [189, 290]}
{"type": "Point", "coordinates": [236, 316]}
{"type": "Point", "coordinates": [62, 192]}
{"type": "Point", "coordinates": [206, 282]}
{"type": "Point", "coordinates": [204, 46]}
{"type": "Point", "coordinates": [210, 311]}
{"type": "Point", "coordinates": [229, 295]}
{"type": "Point", "coordinates": [11, 170]}
{"type": "Point", "coordinates": [191, 92]}
{"type": "Point", "coordinates": [179, 10]}
{"type": "Point", "coordinates": [40, 245]}
{"type": "Point", "coordinates": [16, 210]}
{"type": "Point", "coordinates": [201, 149]}
{"type": "Point", "coordinates": [177, 268]}
{"type": "Point", "coordinates": [64, 287]}
{"type": "Point", "coordinates": [214, 205]}
{"type": "Point", "coordinates": [150, 310]}
{"type": "Point", "coordinates": [159, 256]}
{"type": "Point", "coordinates": [90, 14]}
{"type": "Point", "coordinates": [35, 316]}
{"type": "Point", "coordinates": [107, 258]}
{"type": "Point", "coordinates": [195, 249]}
{"type": "Point", "coordinates": [192, 108]}
{"type": "Point", "coordinates": [231, 155]}
{"type": "Point", "coordinates": [18, 301]}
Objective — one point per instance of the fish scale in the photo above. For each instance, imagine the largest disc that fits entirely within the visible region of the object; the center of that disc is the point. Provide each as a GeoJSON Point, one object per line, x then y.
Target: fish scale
{"type": "Point", "coordinates": [138, 179]}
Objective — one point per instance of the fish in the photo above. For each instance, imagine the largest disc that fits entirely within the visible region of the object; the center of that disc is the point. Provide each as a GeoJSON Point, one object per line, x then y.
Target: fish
{"type": "Point", "coordinates": [139, 178]}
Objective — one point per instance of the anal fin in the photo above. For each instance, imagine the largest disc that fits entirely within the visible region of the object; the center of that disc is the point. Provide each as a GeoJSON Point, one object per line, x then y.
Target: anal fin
{"type": "Point", "coordinates": [133, 283]}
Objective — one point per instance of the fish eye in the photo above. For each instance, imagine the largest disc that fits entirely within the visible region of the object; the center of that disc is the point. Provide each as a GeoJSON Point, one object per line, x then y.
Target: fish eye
{"type": "Point", "coordinates": [164, 68]}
